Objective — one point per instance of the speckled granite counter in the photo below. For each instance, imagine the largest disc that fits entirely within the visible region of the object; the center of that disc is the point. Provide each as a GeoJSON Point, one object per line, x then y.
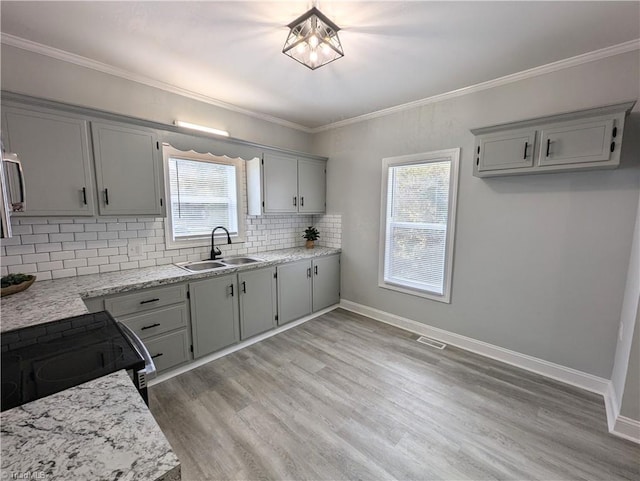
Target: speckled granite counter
{"type": "Point", "coordinates": [99, 430]}
{"type": "Point", "coordinates": [52, 300]}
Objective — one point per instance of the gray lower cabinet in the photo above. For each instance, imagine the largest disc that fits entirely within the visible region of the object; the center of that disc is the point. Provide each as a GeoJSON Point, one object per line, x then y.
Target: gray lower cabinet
{"type": "Point", "coordinates": [160, 317]}
{"type": "Point", "coordinates": [214, 314]}
{"type": "Point", "coordinates": [294, 291]}
{"type": "Point", "coordinates": [326, 282]}
{"type": "Point", "coordinates": [257, 299]}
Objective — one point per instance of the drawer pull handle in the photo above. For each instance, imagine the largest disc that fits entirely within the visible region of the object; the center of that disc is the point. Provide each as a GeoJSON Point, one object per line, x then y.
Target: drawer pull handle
{"type": "Point", "coordinates": [106, 196]}
{"type": "Point", "coordinates": [309, 272]}
{"type": "Point", "coordinates": [548, 146]}
{"type": "Point", "coordinates": [84, 195]}
{"type": "Point", "coordinates": [244, 287]}
{"type": "Point", "coordinates": [316, 270]}
{"type": "Point", "coordinates": [149, 327]}
{"type": "Point", "coordinates": [231, 286]}
{"type": "Point", "coordinates": [526, 144]}
{"type": "Point", "coordinates": [150, 300]}
{"type": "Point", "coordinates": [157, 355]}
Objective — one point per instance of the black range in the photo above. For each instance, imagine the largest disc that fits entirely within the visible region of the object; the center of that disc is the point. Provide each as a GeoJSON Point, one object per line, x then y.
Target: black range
{"type": "Point", "coordinates": [47, 358]}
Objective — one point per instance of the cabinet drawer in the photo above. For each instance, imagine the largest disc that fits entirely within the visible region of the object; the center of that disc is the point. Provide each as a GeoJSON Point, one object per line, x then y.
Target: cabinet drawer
{"type": "Point", "coordinates": [169, 350]}
{"type": "Point", "coordinates": [145, 300]}
{"type": "Point", "coordinates": [158, 321]}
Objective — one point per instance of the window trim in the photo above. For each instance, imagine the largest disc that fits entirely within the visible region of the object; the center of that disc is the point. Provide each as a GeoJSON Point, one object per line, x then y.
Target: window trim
{"type": "Point", "coordinates": [453, 156]}
{"type": "Point", "coordinates": [203, 241]}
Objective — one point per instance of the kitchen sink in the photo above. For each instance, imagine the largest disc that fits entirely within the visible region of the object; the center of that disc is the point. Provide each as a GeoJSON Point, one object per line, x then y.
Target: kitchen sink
{"type": "Point", "coordinates": [198, 266]}
{"type": "Point", "coordinates": [239, 261]}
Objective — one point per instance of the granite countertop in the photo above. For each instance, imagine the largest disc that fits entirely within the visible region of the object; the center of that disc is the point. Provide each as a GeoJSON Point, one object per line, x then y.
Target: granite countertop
{"type": "Point", "coordinates": [98, 430]}
{"type": "Point", "coordinates": [47, 301]}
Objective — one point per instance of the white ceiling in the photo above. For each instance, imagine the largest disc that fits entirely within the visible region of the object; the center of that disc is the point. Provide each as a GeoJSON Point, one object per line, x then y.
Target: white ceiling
{"type": "Point", "coordinates": [395, 52]}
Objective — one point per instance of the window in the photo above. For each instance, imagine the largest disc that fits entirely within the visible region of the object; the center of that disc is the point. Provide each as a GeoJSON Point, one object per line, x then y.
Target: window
{"type": "Point", "coordinates": [417, 225]}
{"type": "Point", "coordinates": [203, 191]}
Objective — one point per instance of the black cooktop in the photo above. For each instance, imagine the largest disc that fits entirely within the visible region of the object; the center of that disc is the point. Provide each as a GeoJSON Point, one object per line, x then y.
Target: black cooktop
{"type": "Point", "coordinates": [47, 358]}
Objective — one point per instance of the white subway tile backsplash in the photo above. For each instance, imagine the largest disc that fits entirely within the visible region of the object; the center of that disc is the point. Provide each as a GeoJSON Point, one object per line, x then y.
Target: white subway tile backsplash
{"type": "Point", "coordinates": [50, 247]}
{"type": "Point", "coordinates": [49, 266]}
{"type": "Point", "coordinates": [15, 250]}
{"type": "Point", "coordinates": [12, 260]}
{"type": "Point", "coordinates": [63, 273]}
{"type": "Point", "coordinates": [87, 270]}
{"type": "Point", "coordinates": [34, 238]}
{"type": "Point", "coordinates": [62, 247]}
{"type": "Point", "coordinates": [34, 258]}
{"type": "Point", "coordinates": [71, 228]}
{"type": "Point", "coordinates": [45, 229]}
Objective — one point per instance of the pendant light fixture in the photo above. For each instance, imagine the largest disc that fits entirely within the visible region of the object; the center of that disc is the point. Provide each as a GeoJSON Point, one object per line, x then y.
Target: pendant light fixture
{"type": "Point", "coordinates": [313, 40]}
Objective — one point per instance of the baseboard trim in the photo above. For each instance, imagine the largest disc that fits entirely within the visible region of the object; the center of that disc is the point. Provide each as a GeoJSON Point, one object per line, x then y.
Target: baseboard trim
{"type": "Point", "coordinates": [548, 369]}
{"type": "Point", "coordinates": [627, 428]}
{"type": "Point", "coordinates": [236, 347]}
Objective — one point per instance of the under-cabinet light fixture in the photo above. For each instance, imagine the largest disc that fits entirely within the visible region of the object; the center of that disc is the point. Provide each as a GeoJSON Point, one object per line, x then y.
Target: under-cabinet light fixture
{"type": "Point", "coordinates": [201, 128]}
{"type": "Point", "coordinates": [313, 40]}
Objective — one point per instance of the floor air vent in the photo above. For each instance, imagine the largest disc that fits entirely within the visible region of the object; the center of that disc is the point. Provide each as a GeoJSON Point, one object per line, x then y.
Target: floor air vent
{"type": "Point", "coordinates": [431, 342]}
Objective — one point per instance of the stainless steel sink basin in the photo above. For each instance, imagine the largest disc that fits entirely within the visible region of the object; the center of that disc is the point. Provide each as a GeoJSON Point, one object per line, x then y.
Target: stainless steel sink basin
{"type": "Point", "coordinates": [198, 266]}
{"type": "Point", "coordinates": [239, 261]}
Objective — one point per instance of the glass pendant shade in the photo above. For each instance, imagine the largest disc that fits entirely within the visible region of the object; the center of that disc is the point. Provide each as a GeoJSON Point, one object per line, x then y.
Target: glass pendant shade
{"type": "Point", "coordinates": [313, 40]}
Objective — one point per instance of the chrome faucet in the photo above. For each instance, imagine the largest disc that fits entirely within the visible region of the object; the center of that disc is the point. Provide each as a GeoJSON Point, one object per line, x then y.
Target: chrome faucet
{"type": "Point", "coordinates": [215, 251]}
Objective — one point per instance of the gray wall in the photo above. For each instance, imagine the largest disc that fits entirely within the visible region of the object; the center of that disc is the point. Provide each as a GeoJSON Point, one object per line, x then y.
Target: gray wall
{"type": "Point", "coordinates": [40, 76]}
{"type": "Point", "coordinates": [541, 261]}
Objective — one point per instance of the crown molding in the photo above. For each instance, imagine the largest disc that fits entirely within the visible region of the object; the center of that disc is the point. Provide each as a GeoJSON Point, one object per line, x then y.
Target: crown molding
{"type": "Point", "coordinates": [69, 57]}
{"type": "Point", "coordinates": [621, 48]}
{"type": "Point", "coordinates": [85, 62]}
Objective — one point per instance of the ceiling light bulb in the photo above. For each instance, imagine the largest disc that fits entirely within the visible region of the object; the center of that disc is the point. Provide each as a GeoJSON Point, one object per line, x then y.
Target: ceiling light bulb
{"type": "Point", "coordinates": [313, 41]}
{"type": "Point", "coordinates": [301, 47]}
{"type": "Point", "coordinates": [313, 56]}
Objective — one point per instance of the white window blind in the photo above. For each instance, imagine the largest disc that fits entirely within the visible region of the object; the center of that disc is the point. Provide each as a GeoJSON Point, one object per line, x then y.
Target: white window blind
{"type": "Point", "coordinates": [417, 223]}
{"type": "Point", "coordinates": [203, 191]}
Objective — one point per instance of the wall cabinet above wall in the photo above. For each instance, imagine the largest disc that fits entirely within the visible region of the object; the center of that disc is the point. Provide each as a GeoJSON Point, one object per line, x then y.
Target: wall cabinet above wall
{"type": "Point", "coordinates": [583, 140]}
{"type": "Point", "coordinates": [56, 156]}
{"type": "Point", "coordinates": [60, 158]}
{"type": "Point", "coordinates": [284, 184]}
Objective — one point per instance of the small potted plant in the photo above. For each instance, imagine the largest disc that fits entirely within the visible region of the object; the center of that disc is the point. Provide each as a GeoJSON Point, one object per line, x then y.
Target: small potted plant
{"type": "Point", "coordinates": [311, 234]}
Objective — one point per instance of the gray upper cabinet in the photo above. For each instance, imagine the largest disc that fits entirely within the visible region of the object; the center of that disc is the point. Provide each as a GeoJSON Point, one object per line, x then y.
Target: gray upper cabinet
{"type": "Point", "coordinates": [214, 314]}
{"type": "Point", "coordinates": [312, 185]}
{"type": "Point", "coordinates": [294, 291]}
{"type": "Point", "coordinates": [583, 140]}
{"type": "Point", "coordinates": [55, 154]}
{"type": "Point", "coordinates": [280, 184]}
{"type": "Point", "coordinates": [128, 170]}
{"type": "Point", "coordinates": [576, 142]}
{"type": "Point", "coordinates": [510, 150]}
{"type": "Point", "coordinates": [257, 296]}
{"type": "Point", "coordinates": [326, 282]}
{"type": "Point", "coordinates": [285, 184]}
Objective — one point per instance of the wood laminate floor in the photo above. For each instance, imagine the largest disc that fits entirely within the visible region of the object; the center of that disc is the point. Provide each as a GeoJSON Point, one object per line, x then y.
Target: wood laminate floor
{"type": "Point", "coordinates": [346, 397]}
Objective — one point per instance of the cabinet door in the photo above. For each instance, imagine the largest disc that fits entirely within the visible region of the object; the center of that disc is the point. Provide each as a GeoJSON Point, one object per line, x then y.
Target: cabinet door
{"type": "Point", "coordinates": [55, 155]}
{"type": "Point", "coordinates": [128, 170]}
{"type": "Point", "coordinates": [257, 301]}
{"type": "Point", "coordinates": [169, 350]}
{"type": "Point", "coordinates": [214, 314]}
{"type": "Point", "coordinates": [280, 184]}
{"type": "Point", "coordinates": [573, 143]}
{"type": "Point", "coordinates": [312, 185]}
{"type": "Point", "coordinates": [505, 150]}
{"type": "Point", "coordinates": [294, 291]}
{"type": "Point", "coordinates": [326, 282]}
